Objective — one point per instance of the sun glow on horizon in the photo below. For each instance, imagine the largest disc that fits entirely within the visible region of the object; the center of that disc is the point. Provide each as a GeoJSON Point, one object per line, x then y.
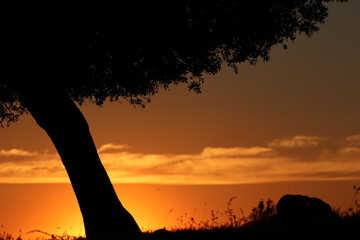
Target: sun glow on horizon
{"type": "Point", "coordinates": [53, 208]}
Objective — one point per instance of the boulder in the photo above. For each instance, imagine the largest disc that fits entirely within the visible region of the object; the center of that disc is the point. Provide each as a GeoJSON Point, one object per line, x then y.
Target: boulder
{"type": "Point", "coordinates": [302, 207]}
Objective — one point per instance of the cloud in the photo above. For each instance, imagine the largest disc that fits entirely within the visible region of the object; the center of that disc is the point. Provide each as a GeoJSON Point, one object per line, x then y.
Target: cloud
{"type": "Point", "coordinates": [349, 150]}
{"type": "Point", "coordinates": [18, 166]}
{"type": "Point", "coordinates": [235, 152]}
{"type": "Point", "coordinates": [295, 142]}
{"type": "Point", "coordinates": [349, 147]}
{"type": "Point", "coordinates": [353, 140]}
{"type": "Point", "coordinates": [111, 146]}
{"type": "Point", "coordinates": [225, 165]}
{"type": "Point", "coordinates": [212, 165]}
{"type": "Point", "coordinates": [17, 153]}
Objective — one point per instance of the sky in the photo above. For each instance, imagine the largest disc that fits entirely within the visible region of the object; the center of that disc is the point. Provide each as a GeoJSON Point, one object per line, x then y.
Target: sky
{"type": "Point", "coordinates": [294, 118]}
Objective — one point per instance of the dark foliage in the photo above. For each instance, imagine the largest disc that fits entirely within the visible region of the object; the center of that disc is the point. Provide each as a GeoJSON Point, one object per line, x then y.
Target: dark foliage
{"type": "Point", "coordinates": [128, 50]}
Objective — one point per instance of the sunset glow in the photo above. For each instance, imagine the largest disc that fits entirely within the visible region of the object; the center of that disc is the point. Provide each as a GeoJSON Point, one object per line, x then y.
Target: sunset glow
{"type": "Point", "coordinates": [291, 125]}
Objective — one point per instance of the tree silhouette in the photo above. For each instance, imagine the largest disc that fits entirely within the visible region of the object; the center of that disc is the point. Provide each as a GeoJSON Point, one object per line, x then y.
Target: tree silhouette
{"type": "Point", "coordinates": [57, 54]}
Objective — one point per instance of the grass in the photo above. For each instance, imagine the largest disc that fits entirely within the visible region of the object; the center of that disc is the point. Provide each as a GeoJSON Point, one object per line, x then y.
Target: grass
{"type": "Point", "coordinates": [263, 211]}
{"type": "Point", "coordinates": [261, 223]}
{"type": "Point", "coordinates": [39, 235]}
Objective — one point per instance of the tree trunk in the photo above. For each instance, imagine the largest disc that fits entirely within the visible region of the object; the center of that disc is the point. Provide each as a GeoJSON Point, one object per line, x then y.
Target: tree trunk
{"type": "Point", "coordinates": [103, 214]}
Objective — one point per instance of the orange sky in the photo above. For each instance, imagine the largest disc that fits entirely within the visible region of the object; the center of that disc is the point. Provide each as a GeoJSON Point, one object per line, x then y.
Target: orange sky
{"type": "Point", "coordinates": [295, 118]}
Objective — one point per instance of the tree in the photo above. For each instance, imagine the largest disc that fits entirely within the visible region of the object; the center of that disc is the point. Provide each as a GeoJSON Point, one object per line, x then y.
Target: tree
{"type": "Point", "coordinates": [57, 54]}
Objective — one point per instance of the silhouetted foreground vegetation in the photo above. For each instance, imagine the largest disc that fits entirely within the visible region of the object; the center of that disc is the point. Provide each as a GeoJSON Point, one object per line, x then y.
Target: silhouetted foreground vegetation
{"type": "Point", "coordinates": [341, 226]}
{"type": "Point", "coordinates": [261, 223]}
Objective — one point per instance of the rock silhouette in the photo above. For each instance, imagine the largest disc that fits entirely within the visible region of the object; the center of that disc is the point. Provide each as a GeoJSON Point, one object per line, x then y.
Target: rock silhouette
{"type": "Point", "coordinates": [302, 207]}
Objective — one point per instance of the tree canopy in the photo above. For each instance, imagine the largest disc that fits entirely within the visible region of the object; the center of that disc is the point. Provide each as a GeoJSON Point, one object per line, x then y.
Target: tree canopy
{"type": "Point", "coordinates": [128, 50]}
